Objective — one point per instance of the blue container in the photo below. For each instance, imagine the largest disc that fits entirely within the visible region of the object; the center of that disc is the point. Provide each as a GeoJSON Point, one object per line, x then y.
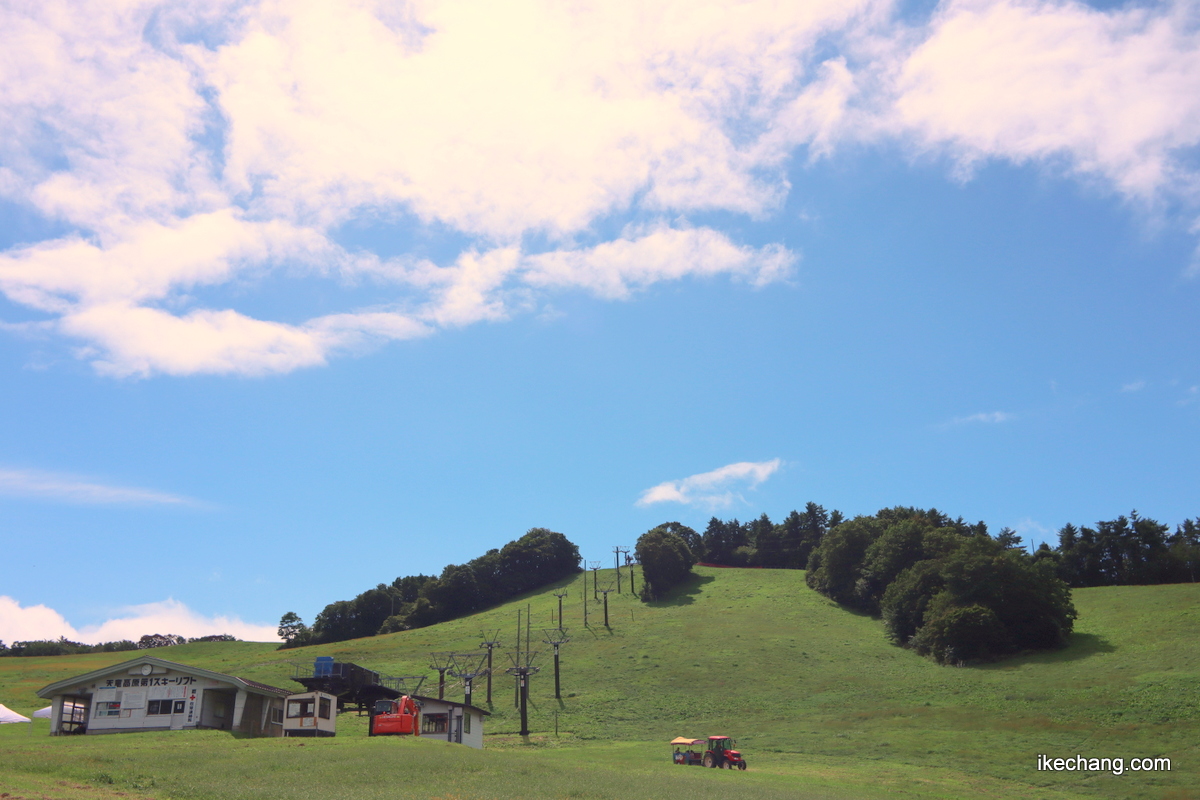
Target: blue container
{"type": "Point", "coordinates": [323, 666]}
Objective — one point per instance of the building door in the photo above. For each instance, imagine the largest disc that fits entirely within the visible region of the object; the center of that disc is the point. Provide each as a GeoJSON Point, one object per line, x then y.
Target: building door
{"type": "Point", "coordinates": [216, 708]}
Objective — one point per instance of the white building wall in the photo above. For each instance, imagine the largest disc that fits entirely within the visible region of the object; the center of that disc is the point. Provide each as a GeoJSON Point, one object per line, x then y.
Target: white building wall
{"type": "Point", "coordinates": [474, 738]}
{"type": "Point", "coordinates": [123, 702]}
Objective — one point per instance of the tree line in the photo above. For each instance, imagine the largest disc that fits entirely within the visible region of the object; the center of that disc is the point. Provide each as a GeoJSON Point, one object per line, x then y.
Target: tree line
{"type": "Point", "coordinates": [65, 647]}
{"type": "Point", "coordinates": [668, 551]}
{"type": "Point", "coordinates": [539, 557]}
{"type": "Point", "coordinates": [1126, 551]}
{"type": "Point", "coordinates": [943, 587]}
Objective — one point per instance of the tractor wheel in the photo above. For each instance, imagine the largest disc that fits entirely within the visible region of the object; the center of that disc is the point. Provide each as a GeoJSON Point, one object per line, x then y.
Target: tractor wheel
{"type": "Point", "coordinates": [742, 765]}
{"type": "Point", "coordinates": [725, 764]}
{"type": "Point", "coordinates": [708, 760]}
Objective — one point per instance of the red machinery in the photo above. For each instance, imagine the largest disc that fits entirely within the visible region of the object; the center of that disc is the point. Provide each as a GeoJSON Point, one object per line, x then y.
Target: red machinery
{"type": "Point", "coordinates": [399, 717]}
{"type": "Point", "coordinates": [721, 754]}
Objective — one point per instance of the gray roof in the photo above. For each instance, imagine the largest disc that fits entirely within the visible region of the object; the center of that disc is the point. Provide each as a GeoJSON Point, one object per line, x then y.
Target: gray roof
{"type": "Point", "coordinates": [254, 687]}
{"type": "Point", "coordinates": [424, 699]}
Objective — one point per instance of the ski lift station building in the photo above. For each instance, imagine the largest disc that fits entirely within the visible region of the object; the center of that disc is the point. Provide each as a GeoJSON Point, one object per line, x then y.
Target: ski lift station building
{"type": "Point", "coordinates": [151, 694]}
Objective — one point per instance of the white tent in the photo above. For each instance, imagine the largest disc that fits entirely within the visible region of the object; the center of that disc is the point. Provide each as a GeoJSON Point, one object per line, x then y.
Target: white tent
{"type": "Point", "coordinates": [11, 716]}
{"type": "Point", "coordinates": [43, 713]}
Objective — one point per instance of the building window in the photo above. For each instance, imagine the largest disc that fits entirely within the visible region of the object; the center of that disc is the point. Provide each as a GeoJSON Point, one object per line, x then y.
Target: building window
{"type": "Point", "coordinates": [108, 709]}
{"type": "Point", "coordinates": [300, 708]}
{"type": "Point", "coordinates": [433, 723]}
{"type": "Point", "coordinates": [276, 716]}
{"type": "Point", "coordinates": [163, 707]}
{"type": "Point", "coordinates": [467, 722]}
{"type": "Point", "coordinates": [324, 713]}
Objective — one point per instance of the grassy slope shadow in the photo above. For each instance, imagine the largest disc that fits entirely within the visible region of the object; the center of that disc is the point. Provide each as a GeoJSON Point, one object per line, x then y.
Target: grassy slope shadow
{"type": "Point", "coordinates": [684, 594]}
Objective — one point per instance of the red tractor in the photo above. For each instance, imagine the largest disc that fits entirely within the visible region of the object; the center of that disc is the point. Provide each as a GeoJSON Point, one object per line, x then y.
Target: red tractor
{"type": "Point", "coordinates": [399, 717]}
{"type": "Point", "coordinates": [720, 753]}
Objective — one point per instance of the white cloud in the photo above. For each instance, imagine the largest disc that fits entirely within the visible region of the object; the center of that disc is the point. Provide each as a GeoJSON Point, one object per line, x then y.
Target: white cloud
{"type": "Point", "coordinates": [527, 115]}
{"type": "Point", "coordinates": [717, 488]}
{"type": "Point", "coordinates": [1134, 386]}
{"type": "Point", "coordinates": [18, 623]}
{"type": "Point", "coordinates": [52, 486]}
{"type": "Point", "coordinates": [201, 145]}
{"type": "Point", "coordinates": [615, 268]}
{"type": "Point", "coordinates": [187, 161]}
{"type": "Point", "coordinates": [1113, 94]}
{"type": "Point", "coordinates": [984, 417]}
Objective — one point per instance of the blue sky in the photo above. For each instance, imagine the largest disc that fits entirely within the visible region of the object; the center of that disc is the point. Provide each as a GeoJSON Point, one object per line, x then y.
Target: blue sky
{"type": "Point", "coordinates": [294, 302]}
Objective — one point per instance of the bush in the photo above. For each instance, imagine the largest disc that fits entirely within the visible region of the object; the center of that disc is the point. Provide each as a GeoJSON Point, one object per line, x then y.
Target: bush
{"type": "Point", "coordinates": [907, 598]}
{"type": "Point", "coordinates": [957, 634]}
{"type": "Point", "coordinates": [835, 566]}
{"type": "Point", "coordinates": [944, 588]}
{"type": "Point", "coordinates": [666, 561]}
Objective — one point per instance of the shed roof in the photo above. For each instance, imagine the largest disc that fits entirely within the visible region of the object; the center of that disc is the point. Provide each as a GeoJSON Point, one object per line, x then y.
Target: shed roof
{"type": "Point", "coordinates": [424, 699]}
{"type": "Point", "coordinates": [251, 686]}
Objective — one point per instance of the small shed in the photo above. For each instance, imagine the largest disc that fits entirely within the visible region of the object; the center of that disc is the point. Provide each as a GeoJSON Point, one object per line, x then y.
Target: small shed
{"type": "Point", "coordinates": [450, 721]}
{"type": "Point", "coordinates": [310, 714]}
{"type": "Point", "coordinates": [151, 693]}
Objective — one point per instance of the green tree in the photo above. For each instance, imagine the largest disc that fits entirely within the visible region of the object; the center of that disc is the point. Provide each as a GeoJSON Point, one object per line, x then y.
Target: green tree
{"type": "Point", "coordinates": [907, 598]}
{"type": "Point", "coordinates": [292, 630]}
{"type": "Point", "coordinates": [693, 540]}
{"type": "Point", "coordinates": [899, 546]}
{"type": "Point", "coordinates": [721, 539]}
{"type": "Point", "coordinates": [666, 561]}
{"type": "Point", "coordinates": [835, 566]}
{"type": "Point", "coordinates": [957, 634]}
{"type": "Point", "coordinates": [151, 640]}
{"type": "Point", "coordinates": [1008, 539]}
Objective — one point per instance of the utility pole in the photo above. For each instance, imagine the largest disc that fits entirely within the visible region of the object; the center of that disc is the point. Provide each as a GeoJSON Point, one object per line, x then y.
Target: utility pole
{"type": "Point", "coordinates": [522, 668]}
{"type": "Point", "coordinates": [517, 685]}
{"type": "Point", "coordinates": [623, 554]}
{"type": "Point", "coordinates": [560, 594]}
{"type": "Point", "coordinates": [595, 565]}
{"type": "Point", "coordinates": [400, 683]}
{"type": "Point", "coordinates": [617, 564]}
{"type": "Point", "coordinates": [556, 637]}
{"type": "Point", "coordinates": [605, 593]}
{"type": "Point", "coordinates": [632, 588]}
{"type": "Point", "coordinates": [467, 667]}
{"type": "Point", "coordinates": [442, 663]}
{"type": "Point", "coordinates": [490, 641]}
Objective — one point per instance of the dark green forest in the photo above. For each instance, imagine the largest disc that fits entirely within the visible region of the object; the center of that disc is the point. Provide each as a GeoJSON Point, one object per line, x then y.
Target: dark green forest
{"type": "Point", "coordinates": [63, 646]}
{"type": "Point", "coordinates": [1126, 551]}
{"type": "Point", "coordinates": [943, 587]}
{"type": "Point", "coordinates": [415, 601]}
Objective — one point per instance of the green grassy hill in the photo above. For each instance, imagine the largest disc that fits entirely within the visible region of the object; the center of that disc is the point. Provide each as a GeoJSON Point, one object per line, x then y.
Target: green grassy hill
{"type": "Point", "coordinates": [816, 697]}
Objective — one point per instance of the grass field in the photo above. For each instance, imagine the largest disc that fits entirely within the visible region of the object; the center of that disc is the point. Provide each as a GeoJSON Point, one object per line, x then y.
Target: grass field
{"type": "Point", "coordinates": [818, 700]}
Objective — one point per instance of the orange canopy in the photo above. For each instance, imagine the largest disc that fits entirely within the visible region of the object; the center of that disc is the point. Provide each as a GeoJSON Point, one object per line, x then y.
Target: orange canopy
{"type": "Point", "coordinates": [680, 740]}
